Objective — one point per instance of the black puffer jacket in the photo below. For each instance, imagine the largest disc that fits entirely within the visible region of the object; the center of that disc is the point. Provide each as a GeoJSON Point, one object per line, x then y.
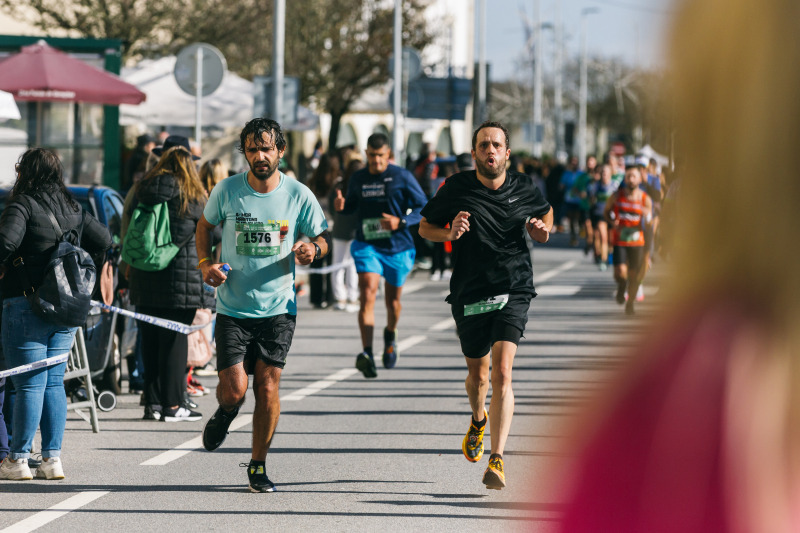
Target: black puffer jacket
{"type": "Point", "coordinates": [26, 230]}
{"type": "Point", "coordinates": [180, 285]}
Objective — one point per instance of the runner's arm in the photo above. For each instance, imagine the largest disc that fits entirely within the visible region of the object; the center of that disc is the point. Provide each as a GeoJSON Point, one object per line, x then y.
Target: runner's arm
{"type": "Point", "coordinates": [434, 233]}
{"type": "Point", "coordinates": [305, 252]}
{"type": "Point", "coordinates": [539, 228]}
{"type": "Point", "coordinates": [607, 211]}
{"type": "Point", "coordinates": [202, 238]}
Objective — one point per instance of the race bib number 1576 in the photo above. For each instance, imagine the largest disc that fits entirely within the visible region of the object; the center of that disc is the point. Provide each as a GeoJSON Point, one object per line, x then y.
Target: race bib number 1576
{"type": "Point", "coordinates": [258, 238]}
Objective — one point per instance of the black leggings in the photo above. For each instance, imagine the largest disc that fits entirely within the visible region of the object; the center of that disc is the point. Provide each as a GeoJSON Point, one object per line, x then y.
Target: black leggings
{"type": "Point", "coordinates": [164, 353]}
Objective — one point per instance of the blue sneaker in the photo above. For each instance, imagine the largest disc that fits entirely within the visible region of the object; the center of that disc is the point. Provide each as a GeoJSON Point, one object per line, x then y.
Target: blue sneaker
{"type": "Point", "coordinates": [390, 354]}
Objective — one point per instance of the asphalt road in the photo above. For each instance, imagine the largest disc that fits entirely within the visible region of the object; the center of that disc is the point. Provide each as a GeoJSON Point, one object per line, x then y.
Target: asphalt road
{"type": "Point", "coordinates": [352, 454]}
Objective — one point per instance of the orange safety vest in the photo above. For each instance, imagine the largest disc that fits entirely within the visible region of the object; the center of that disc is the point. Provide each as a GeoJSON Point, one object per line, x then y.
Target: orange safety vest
{"type": "Point", "coordinates": [629, 213]}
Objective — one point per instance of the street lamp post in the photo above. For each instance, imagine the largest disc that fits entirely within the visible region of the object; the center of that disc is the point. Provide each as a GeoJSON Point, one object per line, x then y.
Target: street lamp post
{"type": "Point", "coordinates": [278, 44]}
{"type": "Point", "coordinates": [558, 100]}
{"type": "Point", "coordinates": [398, 88]}
{"type": "Point", "coordinates": [537, 81]}
{"type": "Point", "coordinates": [584, 89]}
{"type": "Point", "coordinates": [482, 108]}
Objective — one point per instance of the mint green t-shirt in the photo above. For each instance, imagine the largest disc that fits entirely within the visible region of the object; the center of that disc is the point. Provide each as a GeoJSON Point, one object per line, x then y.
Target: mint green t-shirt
{"type": "Point", "coordinates": [258, 233]}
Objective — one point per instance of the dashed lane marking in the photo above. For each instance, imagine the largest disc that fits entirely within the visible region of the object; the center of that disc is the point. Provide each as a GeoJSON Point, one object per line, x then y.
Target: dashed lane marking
{"type": "Point", "coordinates": [56, 511]}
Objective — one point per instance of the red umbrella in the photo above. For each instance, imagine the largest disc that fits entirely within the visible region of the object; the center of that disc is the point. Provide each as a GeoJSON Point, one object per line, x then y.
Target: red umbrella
{"type": "Point", "coordinates": [41, 73]}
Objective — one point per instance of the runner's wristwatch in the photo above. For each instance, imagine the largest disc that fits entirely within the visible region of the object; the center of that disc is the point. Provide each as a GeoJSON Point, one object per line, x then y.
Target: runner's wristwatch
{"type": "Point", "coordinates": [318, 253]}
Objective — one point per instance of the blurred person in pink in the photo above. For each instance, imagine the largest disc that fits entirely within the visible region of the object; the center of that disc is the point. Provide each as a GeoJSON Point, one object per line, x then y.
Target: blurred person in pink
{"type": "Point", "coordinates": [701, 432]}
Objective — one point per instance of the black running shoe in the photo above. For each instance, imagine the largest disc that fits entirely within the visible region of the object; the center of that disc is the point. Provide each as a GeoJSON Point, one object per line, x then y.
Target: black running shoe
{"type": "Point", "coordinates": [366, 364]}
{"type": "Point", "coordinates": [259, 482]}
{"type": "Point", "coordinates": [217, 428]}
{"type": "Point", "coordinates": [620, 293]}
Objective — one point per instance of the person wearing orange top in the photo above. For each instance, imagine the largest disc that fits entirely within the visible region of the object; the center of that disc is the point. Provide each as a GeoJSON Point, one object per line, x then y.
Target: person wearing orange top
{"type": "Point", "coordinates": [627, 212]}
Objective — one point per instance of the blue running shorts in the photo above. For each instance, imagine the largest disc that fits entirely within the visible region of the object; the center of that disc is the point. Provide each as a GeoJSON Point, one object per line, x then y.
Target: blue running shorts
{"type": "Point", "coordinates": [393, 267]}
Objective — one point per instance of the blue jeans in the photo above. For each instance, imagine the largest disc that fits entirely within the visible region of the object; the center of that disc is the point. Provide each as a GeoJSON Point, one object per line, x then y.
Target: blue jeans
{"type": "Point", "coordinates": [40, 398]}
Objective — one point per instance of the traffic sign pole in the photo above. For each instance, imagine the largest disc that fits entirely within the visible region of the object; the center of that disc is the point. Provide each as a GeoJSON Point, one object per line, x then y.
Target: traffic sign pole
{"type": "Point", "coordinates": [198, 103]}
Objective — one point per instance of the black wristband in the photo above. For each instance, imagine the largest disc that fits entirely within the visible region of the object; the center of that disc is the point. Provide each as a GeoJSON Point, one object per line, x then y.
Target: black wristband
{"type": "Point", "coordinates": [403, 224]}
{"type": "Point", "coordinates": [318, 253]}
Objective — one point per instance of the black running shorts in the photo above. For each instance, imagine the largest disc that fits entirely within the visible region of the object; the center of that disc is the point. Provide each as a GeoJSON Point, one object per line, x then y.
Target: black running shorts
{"type": "Point", "coordinates": [633, 256]}
{"type": "Point", "coordinates": [478, 333]}
{"type": "Point", "coordinates": [244, 340]}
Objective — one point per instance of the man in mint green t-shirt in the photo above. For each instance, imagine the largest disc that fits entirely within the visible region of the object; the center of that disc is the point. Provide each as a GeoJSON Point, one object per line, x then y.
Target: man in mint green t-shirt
{"type": "Point", "coordinates": [263, 215]}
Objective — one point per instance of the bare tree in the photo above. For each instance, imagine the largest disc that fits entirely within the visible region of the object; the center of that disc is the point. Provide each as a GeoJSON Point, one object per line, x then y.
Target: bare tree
{"type": "Point", "coordinates": [338, 49]}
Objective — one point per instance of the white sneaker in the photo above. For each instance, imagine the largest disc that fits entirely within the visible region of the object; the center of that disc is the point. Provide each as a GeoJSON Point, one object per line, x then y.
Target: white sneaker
{"type": "Point", "coordinates": [640, 293]}
{"type": "Point", "coordinates": [15, 470]}
{"type": "Point", "coordinates": [181, 414]}
{"type": "Point", "coordinates": [340, 306]}
{"type": "Point", "coordinates": [353, 307]}
{"type": "Point", "coordinates": [50, 469]}
{"type": "Point", "coordinates": [436, 275]}
{"type": "Point", "coordinates": [447, 274]}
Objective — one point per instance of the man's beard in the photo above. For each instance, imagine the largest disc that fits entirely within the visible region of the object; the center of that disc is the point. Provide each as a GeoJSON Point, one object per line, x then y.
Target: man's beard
{"type": "Point", "coordinates": [264, 176]}
{"type": "Point", "coordinates": [490, 172]}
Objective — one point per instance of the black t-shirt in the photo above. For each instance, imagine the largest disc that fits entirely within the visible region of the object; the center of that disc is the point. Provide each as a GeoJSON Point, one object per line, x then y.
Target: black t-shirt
{"type": "Point", "coordinates": [492, 258]}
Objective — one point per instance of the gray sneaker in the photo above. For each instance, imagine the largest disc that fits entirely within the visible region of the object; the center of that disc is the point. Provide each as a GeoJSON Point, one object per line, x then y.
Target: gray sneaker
{"type": "Point", "coordinates": [15, 470]}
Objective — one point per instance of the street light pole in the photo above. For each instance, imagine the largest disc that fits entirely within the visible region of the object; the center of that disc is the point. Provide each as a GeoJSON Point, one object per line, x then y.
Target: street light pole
{"type": "Point", "coordinates": [278, 43]}
{"type": "Point", "coordinates": [537, 81]}
{"type": "Point", "coordinates": [482, 110]}
{"type": "Point", "coordinates": [584, 88]}
{"type": "Point", "coordinates": [398, 87]}
{"type": "Point", "coordinates": [558, 100]}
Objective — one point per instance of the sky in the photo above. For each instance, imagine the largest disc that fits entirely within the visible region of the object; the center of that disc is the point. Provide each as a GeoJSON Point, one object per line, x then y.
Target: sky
{"type": "Point", "coordinates": [631, 29]}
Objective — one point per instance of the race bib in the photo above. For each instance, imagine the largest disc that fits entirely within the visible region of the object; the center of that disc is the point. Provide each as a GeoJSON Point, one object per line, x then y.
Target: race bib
{"type": "Point", "coordinates": [493, 303]}
{"type": "Point", "coordinates": [371, 227]}
{"type": "Point", "coordinates": [258, 239]}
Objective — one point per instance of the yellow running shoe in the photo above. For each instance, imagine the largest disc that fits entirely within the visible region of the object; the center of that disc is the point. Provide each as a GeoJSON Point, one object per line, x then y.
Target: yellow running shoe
{"type": "Point", "coordinates": [493, 477]}
{"type": "Point", "coordinates": [472, 446]}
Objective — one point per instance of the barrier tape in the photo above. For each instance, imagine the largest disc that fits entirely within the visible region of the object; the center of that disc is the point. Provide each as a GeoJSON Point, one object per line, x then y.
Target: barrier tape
{"type": "Point", "coordinates": [50, 361]}
{"type": "Point", "coordinates": [160, 322]}
{"type": "Point", "coordinates": [325, 270]}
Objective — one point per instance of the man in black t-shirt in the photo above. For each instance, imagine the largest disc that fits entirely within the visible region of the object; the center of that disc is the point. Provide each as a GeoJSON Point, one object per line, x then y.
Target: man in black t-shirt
{"type": "Point", "coordinates": [489, 210]}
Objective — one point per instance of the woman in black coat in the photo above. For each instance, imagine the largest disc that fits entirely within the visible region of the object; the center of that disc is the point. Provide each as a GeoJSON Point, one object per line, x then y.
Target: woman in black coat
{"type": "Point", "coordinates": [26, 231]}
{"type": "Point", "coordinates": [175, 292]}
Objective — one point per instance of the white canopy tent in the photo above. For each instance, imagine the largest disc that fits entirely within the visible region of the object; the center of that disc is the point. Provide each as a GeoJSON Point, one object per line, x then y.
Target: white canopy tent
{"type": "Point", "coordinates": [647, 152]}
{"type": "Point", "coordinates": [8, 107]}
{"type": "Point", "coordinates": [167, 105]}
{"type": "Point", "coordinates": [231, 105]}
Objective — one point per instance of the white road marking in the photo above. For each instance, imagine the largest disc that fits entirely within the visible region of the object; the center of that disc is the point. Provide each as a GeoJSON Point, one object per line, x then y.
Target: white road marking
{"type": "Point", "coordinates": [443, 325]}
{"type": "Point", "coordinates": [557, 290]}
{"type": "Point", "coordinates": [405, 344]}
{"type": "Point", "coordinates": [541, 278]}
{"type": "Point", "coordinates": [244, 419]}
{"type": "Point", "coordinates": [408, 288]}
{"type": "Point", "coordinates": [319, 385]}
{"type": "Point", "coordinates": [56, 511]}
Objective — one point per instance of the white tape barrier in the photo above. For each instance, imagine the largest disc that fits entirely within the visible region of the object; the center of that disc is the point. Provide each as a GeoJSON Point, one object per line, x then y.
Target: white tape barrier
{"type": "Point", "coordinates": [325, 270]}
{"type": "Point", "coordinates": [160, 322]}
{"type": "Point", "coordinates": [50, 361]}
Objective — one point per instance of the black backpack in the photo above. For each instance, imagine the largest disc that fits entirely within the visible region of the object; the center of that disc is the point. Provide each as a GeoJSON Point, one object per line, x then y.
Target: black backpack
{"type": "Point", "coordinates": [65, 294]}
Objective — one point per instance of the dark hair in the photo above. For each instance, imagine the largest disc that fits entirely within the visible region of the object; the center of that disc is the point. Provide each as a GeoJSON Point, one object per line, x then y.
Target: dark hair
{"type": "Point", "coordinates": [490, 124]}
{"type": "Point", "coordinates": [40, 171]}
{"type": "Point", "coordinates": [178, 162]}
{"type": "Point", "coordinates": [257, 128]}
{"type": "Point", "coordinates": [324, 175]}
{"type": "Point", "coordinates": [377, 141]}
